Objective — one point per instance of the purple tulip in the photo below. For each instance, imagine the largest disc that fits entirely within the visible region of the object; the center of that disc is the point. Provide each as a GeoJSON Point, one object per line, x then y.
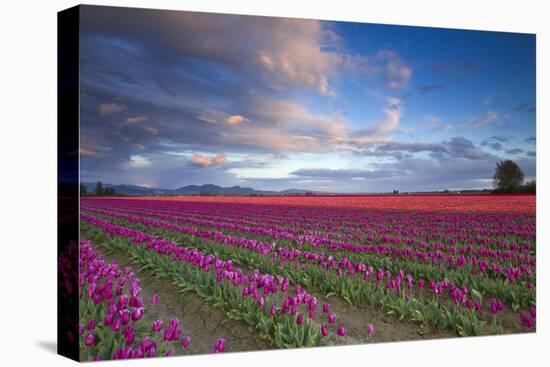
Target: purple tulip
{"type": "Point", "coordinates": [272, 310]}
{"type": "Point", "coordinates": [219, 347]}
{"type": "Point", "coordinates": [137, 313]}
{"type": "Point", "coordinates": [108, 319]}
{"type": "Point", "coordinates": [89, 340]}
{"type": "Point", "coordinates": [533, 312]}
{"type": "Point", "coordinates": [527, 320]}
{"type": "Point", "coordinates": [331, 318]}
{"type": "Point", "coordinates": [300, 319]}
{"type": "Point", "coordinates": [80, 329]}
{"type": "Point", "coordinates": [341, 331]}
{"type": "Point", "coordinates": [115, 326]}
{"type": "Point", "coordinates": [155, 299]}
{"type": "Point", "coordinates": [370, 329]}
{"type": "Point", "coordinates": [156, 326]}
{"type": "Point", "coordinates": [125, 316]}
{"type": "Point", "coordinates": [169, 353]}
{"type": "Point", "coordinates": [185, 341]}
{"type": "Point", "coordinates": [496, 306]}
{"type": "Point", "coordinates": [91, 324]}
{"type": "Point", "coordinates": [324, 330]}
{"type": "Point", "coordinates": [326, 307]}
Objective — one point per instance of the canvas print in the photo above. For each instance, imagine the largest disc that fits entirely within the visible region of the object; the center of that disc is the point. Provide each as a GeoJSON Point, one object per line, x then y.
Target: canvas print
{"type": "Point", "coordinates": [250, 183]}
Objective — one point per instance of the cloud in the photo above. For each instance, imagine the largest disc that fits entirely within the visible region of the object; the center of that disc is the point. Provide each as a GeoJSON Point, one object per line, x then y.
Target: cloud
{"type": "Point", "coordinates": [112, 107]}
{"type": "Point", "coordinates": [456, 147]}
{"type": "Point", "coordinates": [235, 119]}
{"type": "Point", "coordinates": [137, 119]}
{"type": "Point", "coordinates": [494, 145]}
{"type": "Point", "coordinates": [396, 74]}
{"type": "Point", "coordinates": [278, 52]}
{"type": "Point", "coordinates": [87, 153]}
{"type": "Point", "coordinates": [486, 119]}
{"type": "Point", "coordinates": [138, 161]}
{"type": "Point", "coordinates": [531, 153]}
{"type": "Point", "coordinates": [501, 138]}
{"type": "Point", "coordinates": [525, 107]}
{"type": "Point", "coordinates": [531, 140]}
{"type": "Point", "coordinates": [488, 100]}
{"type": "Point", "coordinates": [325, 173]}
{"type": "Point", "coordinates": [393, 111]}
{"type": "Point", "coordinates": [515, 151]}
{"type": "Point", "coordinates": [204, 161]}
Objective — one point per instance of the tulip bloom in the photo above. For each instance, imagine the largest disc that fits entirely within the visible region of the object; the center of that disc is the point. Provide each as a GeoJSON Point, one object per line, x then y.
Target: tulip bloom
{"type": "Point", "coordinates": [156, 326]}
{"type": "Point", "coordinates": [370, 329]}
{"type": "Point", "coordinates": [185, 341]}
{"type": "Point", "coordinates": [326, 307]}
{"type": "Point", "coordinates": [91, 324]}
{"type": "Point", "coordinates": [219, 347]}
{"type": "Point", "coordinates": [300, 319]}
{"type": "Point", "coordinates": [89, 340]}
{"type": "Point", "coordinates": [331, 318]}
{"type": "Point", "coordinates": [137, 313]}
{"type": "Point", "coordinates": [341, 331]}
{"type": "Point", "coordinates": [155, 299]}
{"type": "Point", "coordinates": [272, 310]}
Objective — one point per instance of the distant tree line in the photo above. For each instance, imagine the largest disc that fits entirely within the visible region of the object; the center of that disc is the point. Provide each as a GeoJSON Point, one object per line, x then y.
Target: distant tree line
{"type": "Point", "coordinates": [99, 190]}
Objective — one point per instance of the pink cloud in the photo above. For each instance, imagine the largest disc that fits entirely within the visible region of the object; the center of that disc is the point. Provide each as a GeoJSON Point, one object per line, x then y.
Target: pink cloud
{"type": "Point", "coordinates": [204, 161]}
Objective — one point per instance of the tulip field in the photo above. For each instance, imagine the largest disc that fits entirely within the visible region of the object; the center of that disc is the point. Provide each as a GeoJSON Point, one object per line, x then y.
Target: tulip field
{"type": "Point", "coordinates": [189, 275]}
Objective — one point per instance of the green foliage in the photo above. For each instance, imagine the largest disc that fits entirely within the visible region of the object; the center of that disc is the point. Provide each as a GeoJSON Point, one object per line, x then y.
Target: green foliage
{"type": "Point", "coordinates": [508, 176]}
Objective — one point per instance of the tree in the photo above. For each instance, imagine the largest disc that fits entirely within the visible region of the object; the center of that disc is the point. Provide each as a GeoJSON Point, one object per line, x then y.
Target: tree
{"type": "Point", "coordinates": [99, 188]}
{"type": "Point", "coordinates": [83, 189]}
{"type": "Point", "coordinates": [108, 191]}
{"type": "Point", "coordinates": [508, 176]}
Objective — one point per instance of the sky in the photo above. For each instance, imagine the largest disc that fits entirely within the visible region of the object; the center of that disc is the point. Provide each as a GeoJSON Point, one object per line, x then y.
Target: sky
{"type": "Point", "coordinates": [172, 98]}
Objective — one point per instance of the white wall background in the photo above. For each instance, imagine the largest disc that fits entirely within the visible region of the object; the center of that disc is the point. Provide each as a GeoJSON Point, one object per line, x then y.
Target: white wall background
{"type": "Point", "coordinates": [28, 180]}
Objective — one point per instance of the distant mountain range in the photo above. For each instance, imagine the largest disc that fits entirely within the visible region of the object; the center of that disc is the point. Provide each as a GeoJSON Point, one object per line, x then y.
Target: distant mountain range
{"type": "Point", "coordinates": [194, 190]}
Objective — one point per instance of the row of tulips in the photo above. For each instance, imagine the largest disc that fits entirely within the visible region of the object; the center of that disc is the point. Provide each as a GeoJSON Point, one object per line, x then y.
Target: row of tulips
{"type": "Point", "coordinates": [243, 296]}
{"type": "Point", "coordinates": [111, 314]}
